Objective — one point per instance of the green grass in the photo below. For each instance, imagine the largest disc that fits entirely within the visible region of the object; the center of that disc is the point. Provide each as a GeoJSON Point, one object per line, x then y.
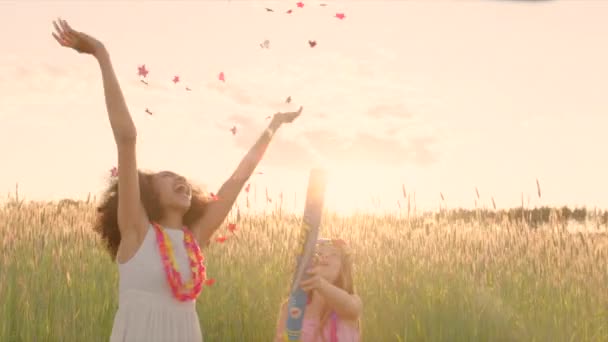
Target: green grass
{"type": "Point", "coordinates": [437, 281]}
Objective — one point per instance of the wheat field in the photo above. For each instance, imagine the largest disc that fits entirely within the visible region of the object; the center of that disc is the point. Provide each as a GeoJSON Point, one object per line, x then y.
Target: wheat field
{"type": "Point", "coordinates": [431, 280]}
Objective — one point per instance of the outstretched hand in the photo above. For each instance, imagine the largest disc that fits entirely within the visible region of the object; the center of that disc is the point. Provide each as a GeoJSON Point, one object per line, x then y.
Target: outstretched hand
{"type": "Point", "coordinates": [287, 117]}
{"type": "Point", "coordinates": [79, 41]}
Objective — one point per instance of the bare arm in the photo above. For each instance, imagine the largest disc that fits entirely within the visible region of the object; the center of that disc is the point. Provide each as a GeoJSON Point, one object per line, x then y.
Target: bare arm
{"type": "Point", "coordinates": [229, 191]}
{"type": "Point", "coordinates": [343, 303]}
{"type": "Point", "coordinates": [132, 219]}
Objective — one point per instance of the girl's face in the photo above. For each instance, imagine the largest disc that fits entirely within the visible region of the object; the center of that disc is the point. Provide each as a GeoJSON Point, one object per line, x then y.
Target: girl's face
{"type": "Point", "coordinates": [329, 260]}
{"type": "Point", "coordinates": [173, 190]}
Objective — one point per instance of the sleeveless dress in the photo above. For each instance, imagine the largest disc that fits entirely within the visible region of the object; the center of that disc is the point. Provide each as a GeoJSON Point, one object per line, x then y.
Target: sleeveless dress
{"type": "Point", "coordinates": [147, 310]}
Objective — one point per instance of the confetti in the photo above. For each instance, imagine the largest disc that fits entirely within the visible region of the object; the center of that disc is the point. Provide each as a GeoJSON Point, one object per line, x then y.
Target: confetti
{"type": "Point", "coordinates": [247, 188]}
{"type": "Point", "coordinates": [209, 282]}
{"type": "Point", "coordinates": [300, 4]}
{"type": "Point", "coordinates": [289, 11]}
{"type": "Point", "coordinates": [188, 89]}
{"type": "Point", "coordinates": [232, 227]}
{"type": "Point", "coordinates": [268, 117]}
{"type": "Point", "coordinates": [144, 82]}
{"type": "Point", "coordinates": [114, 172]}
{"type": "Point", "coordinates": [340, 16]}
{"type": "Point", "coordinates": [269, 9]}
{"type": "Point", "coordinates": [148, 111]}
{"type": "Point", "coordinates": [175, 79]}
{"type": "Point", "coordinates": [322, 5]}
{"type": "Point", "coordinates": [233, 130]}
{"type": "Point", "coordinates": [265, 44]}
{"type": "Point", "coordinates": [221, 239]}
{"type": "Point", "coordinates": [288, 100]}
{"type": "Point", "coordinates": [221, 77]}
{"type": "Point", "coordinates": [312, 43]}
{"type": "Point", "coordinates": [142, 71]}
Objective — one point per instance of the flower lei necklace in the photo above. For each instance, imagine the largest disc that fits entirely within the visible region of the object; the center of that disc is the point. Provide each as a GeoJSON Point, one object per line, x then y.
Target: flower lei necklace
{"type": "Point", "coordinates": [191, 289]}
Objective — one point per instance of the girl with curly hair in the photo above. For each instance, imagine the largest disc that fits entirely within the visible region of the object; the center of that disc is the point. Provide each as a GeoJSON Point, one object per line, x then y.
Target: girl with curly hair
{"type": "Point", "coordinates": [154, 223]}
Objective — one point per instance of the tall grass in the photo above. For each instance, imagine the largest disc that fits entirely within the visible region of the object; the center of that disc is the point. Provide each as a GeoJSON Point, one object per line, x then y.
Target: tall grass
{"type": "Point", "coordinates": [427, 280]}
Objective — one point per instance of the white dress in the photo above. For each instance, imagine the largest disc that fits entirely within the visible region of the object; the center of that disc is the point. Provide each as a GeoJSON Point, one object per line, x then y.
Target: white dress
{"type": "Point", "coordinates": [147, 310]}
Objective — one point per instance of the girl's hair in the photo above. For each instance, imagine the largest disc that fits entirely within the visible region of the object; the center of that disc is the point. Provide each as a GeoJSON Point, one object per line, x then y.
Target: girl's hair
{"type": "Point", "coordinates": [106, 223]}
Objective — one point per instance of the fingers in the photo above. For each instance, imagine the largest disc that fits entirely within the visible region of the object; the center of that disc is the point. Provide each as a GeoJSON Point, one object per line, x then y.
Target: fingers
{"type": "Point", "coordinates": [63, 33]}
{"type": "Point", "coordinates": [307, 285]}
{"type": "Point", "coordinates": [59, 40]}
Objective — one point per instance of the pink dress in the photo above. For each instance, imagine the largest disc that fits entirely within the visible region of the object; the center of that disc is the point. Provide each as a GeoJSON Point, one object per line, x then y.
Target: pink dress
{"type": "Point", "coordinates": [333, 331]}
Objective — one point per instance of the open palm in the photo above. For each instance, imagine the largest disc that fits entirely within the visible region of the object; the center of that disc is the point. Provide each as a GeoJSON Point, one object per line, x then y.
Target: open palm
{"type": "Point", "coordinates": [79, 41]}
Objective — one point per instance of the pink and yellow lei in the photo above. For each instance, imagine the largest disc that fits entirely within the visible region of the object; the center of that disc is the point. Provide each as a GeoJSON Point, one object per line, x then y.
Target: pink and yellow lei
{"type": "Point", "coordinates": [192, 288]}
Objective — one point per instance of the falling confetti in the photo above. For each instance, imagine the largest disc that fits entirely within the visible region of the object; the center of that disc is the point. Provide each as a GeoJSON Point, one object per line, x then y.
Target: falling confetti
{"type": "Point", "coordinates": [265, 44]}
{"type": "Point", "coordinates": [114, 172]}
{"type": "Point", "coordinates": [312, 43]}
{"type": "Point", "coordinates": [232, 227]}
{"type": "Point", "coordinates": [247, 188]}
{"type": "Point", "coordinates": [188, 89]}
{"type": "Point", "coordinates": [268, 117]}
{"type": "Point", "coordinates": [221, 77]}
{"type": "Point", "coordinates": [233, 130]}
{"type": "Point", "coordinates": [148, 111]}
{"type": "Point", "coordinates": [288, 100]}
{"type": "Point", "coordinates": [142, 71]}
{"type": "Point", "coordinates": [340, 16]}
{"type": "Point", "coordinates": [209, 282]}
{"type": "Point", "coordinates": [221, 239]}
{"type": "Point", "coordinates": [289, 11]}
{"type": "Point", "coordinates": [144, 82]}
{"type": "Point", "coordinates": [175, 79]}
{"type": "Point", "coordinates": [300, 4]}
{"type": "Point", "coordinates": [269, 9]}
{"type": "Point", "coordinates": [322, 5]}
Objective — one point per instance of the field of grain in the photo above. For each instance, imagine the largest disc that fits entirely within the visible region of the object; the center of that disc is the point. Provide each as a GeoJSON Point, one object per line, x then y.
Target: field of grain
{"type": "Point", "coordinates": [420, 281]}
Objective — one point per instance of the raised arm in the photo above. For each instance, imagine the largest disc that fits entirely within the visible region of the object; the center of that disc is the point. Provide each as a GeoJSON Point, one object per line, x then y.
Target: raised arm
{"type": "Point", "coordinates": [229, 191]}
{"type": "Point", "coordinates": [132, 219]}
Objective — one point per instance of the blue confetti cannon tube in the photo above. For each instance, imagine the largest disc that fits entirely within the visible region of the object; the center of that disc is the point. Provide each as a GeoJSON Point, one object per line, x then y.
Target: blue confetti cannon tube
{"type": "Point", "coordinates": [310, 232]}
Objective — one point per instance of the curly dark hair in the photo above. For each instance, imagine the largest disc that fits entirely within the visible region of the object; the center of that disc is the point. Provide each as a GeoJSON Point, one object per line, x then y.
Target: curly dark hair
{"type": "Point", "coordinates": [106, 223]}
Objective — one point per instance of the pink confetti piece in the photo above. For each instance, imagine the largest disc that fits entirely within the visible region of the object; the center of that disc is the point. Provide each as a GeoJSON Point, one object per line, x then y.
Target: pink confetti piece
{"type": "Point", "coordinates": [300, 4]}
{"type": "Point", "coordinates": [340, 16]}
{"type": "Point", "coordinates": [312, 43]}
{"type": "Point", "coordinates": [142, 71]}
{"type": "Point", "coordinates": [221, 77]}
{"type": "Point", "coordinates": [175, 79]}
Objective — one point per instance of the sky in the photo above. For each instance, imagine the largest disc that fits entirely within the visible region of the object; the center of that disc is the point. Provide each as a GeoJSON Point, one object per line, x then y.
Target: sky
{"type": "Point", "coordinates": [435, 96]}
